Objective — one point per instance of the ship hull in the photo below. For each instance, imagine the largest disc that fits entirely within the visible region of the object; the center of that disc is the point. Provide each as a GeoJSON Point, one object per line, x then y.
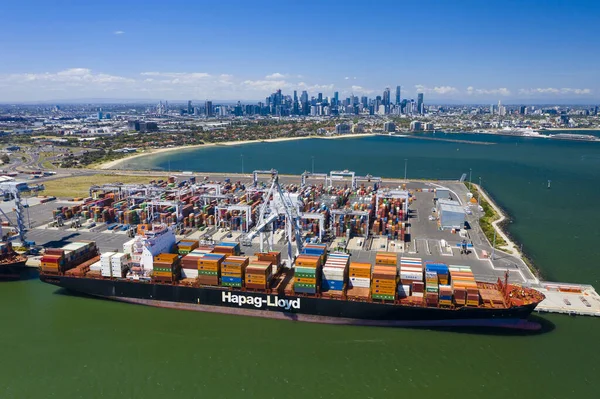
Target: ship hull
{"type": "Point", "coordinates": [295, 308]}
{"type": "Point", "coordinates": [12, 271]}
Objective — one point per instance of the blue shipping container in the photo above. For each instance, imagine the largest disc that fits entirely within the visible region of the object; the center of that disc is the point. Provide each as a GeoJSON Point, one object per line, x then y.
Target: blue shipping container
{"type": "Point", "coordinates": [231, 279]}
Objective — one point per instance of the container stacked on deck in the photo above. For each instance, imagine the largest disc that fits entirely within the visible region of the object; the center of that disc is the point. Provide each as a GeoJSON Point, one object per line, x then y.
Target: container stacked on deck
{"type": "Point", "coordinates": [384, 282]}
{"type": "Point", "coordinates": [307, 270]}
{"type": "Point", "coordinates": [445, 295]}
{"type": "Point", "coordinates": [209, 268]}
{"type": "Point", "coordinates": [189, 265]}
{"type": "Point", "coordinates": [273, 257]}
{"type": "Point", "coordinates": [464, 286]}
{"type": "Point", "coordinates": [119, 263]}
{"type": "Point", "coordinates": [411, 277]}
{"type": "Point", "coordinates": [436, 274]}
{"type": "Point", "coordinates": [335, 274]}
{"type": "Point", "coordinates": [78, 252]}
{"type": "Point", "coordinates": [184, 247]}
{"type": "Point", "coordinates": [106, 264]}
{"type": "Point", "coordinates": [227, 248]}
{"type": "Point", "coordinates": [52, 261]}
{"type": "Point", "coordinates": [359, 280]}
{"type": "Point", "coordinates": [166, 268]}
{"type": "Point", "coordinates": [83, 268]}
{"type": "Point", "coordinates": [258, 274]}
{"type": "Point", "coordinates": [233, 270]}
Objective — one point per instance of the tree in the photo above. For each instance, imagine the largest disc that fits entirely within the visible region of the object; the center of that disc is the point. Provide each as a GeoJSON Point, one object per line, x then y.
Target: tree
{"type": "Point", "coordinates": [4, 158]}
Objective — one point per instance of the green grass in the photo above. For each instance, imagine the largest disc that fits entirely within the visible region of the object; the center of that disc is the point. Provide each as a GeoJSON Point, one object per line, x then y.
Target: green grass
{"type": "Point", "coordinates": [489, 216]}
{"type": "Point", "coordinates": [70, 187]}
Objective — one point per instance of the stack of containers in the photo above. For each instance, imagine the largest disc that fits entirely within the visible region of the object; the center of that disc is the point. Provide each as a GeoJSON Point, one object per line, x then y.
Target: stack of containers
{"type": "Point", "coordinates": [78, 252]}
{"type": "Point", "coordinates": [411, 277]}
{"type": "Point", "coordinates": [227, 248]}
{"type": "Point", "coordinates": [306, 274]}
{"type": "Point", "coordinates": [186, 246]}
{"type": "Point", "coordinates": [233, 270]}
{"type": "Point", "coordinates": [359, 280]}
{"type": "Point", "coordinates": [52, 261]}
{"type": "Point", "coordinates": [258, 274]}
{"type": "Point", "coordinates": [386, 258]}
{"type": "Point", "coordinates": [209, 268]}
{"type": "Point", "coordinates": [166, 268]}
{"type": "Point", "coordinates": [273, 257]}
{"type": "Point", "coordinates": [431, 288]}
{"type": "Point", "coordinates": [335, 273]}
{"type": "Point", "coordinates": [383, 282]}
{"type": "Point", "coordinates": [319, 250]}
{"type": "Point", "coordinates": [106, 264]}
{"type": "Point", "coordinates": [189, 265]}
{"type": "Point", "coordinates": [441, 270]}
{"type": "Point", "coordinates": [119, 262]}
{"type": "Point", "coordinates": [445, 295]}
{"type": "Point", "coordinates": [464, 286]}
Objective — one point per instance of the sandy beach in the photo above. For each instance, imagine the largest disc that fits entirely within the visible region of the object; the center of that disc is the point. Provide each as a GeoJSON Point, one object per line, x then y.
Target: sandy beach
{"type": "Point", "coordinates": [117, 162]}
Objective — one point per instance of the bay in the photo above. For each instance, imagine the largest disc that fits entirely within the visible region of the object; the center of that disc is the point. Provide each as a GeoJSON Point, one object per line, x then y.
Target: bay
{"type": "Point", "coordinates": [58, 345]}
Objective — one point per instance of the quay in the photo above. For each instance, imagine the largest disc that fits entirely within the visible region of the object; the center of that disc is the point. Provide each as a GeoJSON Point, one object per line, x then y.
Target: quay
{"type": "Point", "coordinates": [426, 238]}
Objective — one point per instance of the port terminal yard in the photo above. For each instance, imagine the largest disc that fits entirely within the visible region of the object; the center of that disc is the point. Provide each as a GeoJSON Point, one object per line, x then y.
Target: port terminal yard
{"type": "Point", "coordinates": [424, 236]}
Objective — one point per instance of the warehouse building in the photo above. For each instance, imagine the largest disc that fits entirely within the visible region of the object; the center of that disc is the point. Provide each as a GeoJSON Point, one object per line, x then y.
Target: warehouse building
{"type": "Point", "coordinates": [451, 216]}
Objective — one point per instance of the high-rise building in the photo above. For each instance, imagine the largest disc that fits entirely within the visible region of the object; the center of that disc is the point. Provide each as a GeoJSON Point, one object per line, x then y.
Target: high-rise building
{"type": "Point", "coordinates": [492, 109]}
{"type": "Point", "coordinates": [386, 96]}
{"type": "Point", "coordinates": [336, 99]}
{"type": "Point", "coordinates": [190, 109]}
{"type": "Point", "coordinates": [397, 95]}
{"type": "Point", "coordinates": [420, 105]}
{"type": "Point", "coordinates": [320, 97]}
{"type": "Point", "coordinates": [364, 100]}
{"type": "Point", "coordinates": [208, 108]}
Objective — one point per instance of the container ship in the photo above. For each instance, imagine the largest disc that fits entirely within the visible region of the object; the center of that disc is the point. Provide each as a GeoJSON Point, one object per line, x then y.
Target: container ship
{"type": "Point", "coordinates": [12, 264]}
{"type": "Point", "coordinates": [320, 287]}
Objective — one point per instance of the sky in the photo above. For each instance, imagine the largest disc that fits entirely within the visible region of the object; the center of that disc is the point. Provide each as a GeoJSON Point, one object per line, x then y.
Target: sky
{"type": "Point", "coordinates": [470, 51]}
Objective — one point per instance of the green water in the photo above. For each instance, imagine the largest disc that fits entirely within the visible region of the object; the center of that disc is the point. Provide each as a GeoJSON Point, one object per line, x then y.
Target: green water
{"type": "Point", "coordinates": [56, 345]}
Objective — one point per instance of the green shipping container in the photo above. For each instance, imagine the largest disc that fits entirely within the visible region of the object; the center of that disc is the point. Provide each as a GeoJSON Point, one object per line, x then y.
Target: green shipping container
{"type": "Point", "coordinates": [300, 269]}
{"type": "Point", "coordinates": [304, 275]}
{"type": "Point", "coordinates": [304, 285]}
{"type": "Point", "coordinates": [208, 272]}
{"type": "Point", "coordinates": [231, 284]}
{"type": "Point", "coordinates": [384, 297]}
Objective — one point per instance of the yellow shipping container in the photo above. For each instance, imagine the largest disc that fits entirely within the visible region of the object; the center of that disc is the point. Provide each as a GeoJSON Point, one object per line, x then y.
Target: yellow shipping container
{"type": "Point", "coordinates": [210, 268]}
{"type": "Point", "coordinates": [306, 280]}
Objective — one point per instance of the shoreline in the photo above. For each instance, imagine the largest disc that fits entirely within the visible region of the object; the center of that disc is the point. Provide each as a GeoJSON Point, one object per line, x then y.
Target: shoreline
{"type": "Point", "coordinates": [511, 245]}
{"type": "Point", "coordinates": [113, 164]}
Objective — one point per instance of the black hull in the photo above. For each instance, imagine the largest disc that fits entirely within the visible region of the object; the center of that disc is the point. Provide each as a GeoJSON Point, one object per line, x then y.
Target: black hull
{"type": "Point", "coordinates": [280, 306]}
{"type": "Point", "coordinates": [13, 271]}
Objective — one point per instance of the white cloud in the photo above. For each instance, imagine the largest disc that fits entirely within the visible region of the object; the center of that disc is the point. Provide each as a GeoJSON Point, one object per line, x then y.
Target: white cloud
{"type": "Point", "coordinates": [503, 91]}
{"type": "Point", "coordinates": [276, 76]}
{"type": "Point", "coordinates": [555, 91]}
{"type": "Point", "coordinates": [346, 78]}
{"type": "Point", "coordinates": [361, 90]}
{"type": "Point", "coordinates": [118, 32]}
{"type": "Point", "coordinates": [441, 90]}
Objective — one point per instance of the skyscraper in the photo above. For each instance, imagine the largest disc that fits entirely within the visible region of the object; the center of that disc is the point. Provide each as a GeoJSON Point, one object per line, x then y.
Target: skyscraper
{"type": "Point", "coordinates": [420, 106]}
{"type": "Point", "coordinates": [320, 98]}
{"type": "Point", "coordinates": [336, 99]}
{"type": "Point", "coordinates": [190, 109]}
{"type": "Point", "coordinates": [208, 108]}
{"type": "Point", "coordinates": [397, 95]}
{"type": "Point", "coordinates": [386, 97]}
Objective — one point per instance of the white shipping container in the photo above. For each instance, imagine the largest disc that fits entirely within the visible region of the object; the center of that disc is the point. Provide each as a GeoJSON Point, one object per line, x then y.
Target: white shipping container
{"type": "Point", "coordinates": [359, 282]}
{"type": "Point", "coordinates": [403, 290]}
{"type": "Point", "coordinates": [128, 246]}
{"type": "Point", "coordinates": [189, 273]}
{"type": "Point", "coordinates": [411, 276]}
{"type": "Point", "coordinates": [418, 294]}
{"type": "Point", "coordinates": [96, 267]}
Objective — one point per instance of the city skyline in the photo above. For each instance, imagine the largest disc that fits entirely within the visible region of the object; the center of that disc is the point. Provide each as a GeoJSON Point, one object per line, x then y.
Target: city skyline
{"type": "Point", "coordinates": [246, 51]}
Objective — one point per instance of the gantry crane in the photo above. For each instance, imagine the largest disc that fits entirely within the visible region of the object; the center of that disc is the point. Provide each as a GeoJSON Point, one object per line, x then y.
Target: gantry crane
{"type": "Point", "coordinates": [269, 213]}
{"type": "Point", "coordinates": [12, 189]}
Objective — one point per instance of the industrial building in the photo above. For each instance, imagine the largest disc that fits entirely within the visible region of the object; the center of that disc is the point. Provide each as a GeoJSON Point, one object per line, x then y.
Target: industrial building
{"type": "Point", "coordinates": [451, 216]}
